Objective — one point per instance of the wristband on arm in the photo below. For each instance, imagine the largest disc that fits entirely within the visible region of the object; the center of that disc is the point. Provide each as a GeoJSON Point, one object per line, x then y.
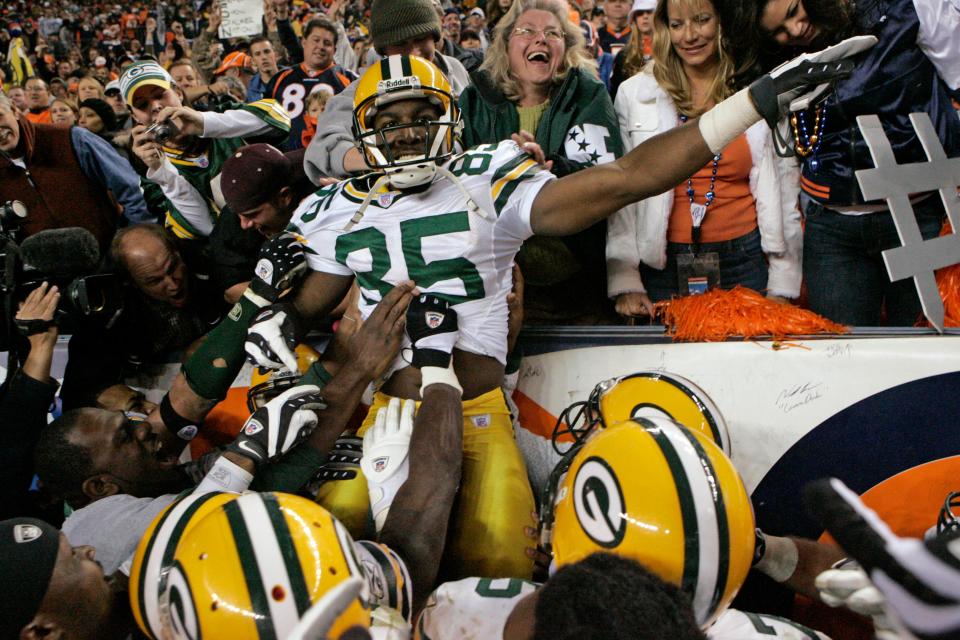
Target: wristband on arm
{"type": "Point", "coordinates": [184, 428]}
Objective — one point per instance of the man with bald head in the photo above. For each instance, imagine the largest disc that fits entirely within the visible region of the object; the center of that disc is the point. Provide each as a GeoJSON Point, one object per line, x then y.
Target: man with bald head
{"type": "Point", "coordinates": [168, 303]}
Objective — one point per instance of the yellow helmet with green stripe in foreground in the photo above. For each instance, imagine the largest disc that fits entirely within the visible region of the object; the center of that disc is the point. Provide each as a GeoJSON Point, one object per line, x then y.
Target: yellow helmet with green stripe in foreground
{"type": "Point", "coordinates": [665, 495]}
{"type": "Point", "coordinates": [242, 567]}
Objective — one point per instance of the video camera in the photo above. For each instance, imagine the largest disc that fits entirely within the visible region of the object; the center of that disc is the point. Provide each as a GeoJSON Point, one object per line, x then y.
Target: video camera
{"type": "Point", "coordinates": [68, 258]}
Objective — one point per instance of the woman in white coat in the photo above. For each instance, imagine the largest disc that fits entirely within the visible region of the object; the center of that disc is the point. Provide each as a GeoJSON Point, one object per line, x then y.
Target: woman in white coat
{"type": "Point", "coordinates": [737, 220]}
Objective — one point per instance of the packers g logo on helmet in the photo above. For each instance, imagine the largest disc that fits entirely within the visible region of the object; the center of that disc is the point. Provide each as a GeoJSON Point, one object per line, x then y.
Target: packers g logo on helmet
{"type": "Point", "coordinates": [667, 496]}
{"type": "Point", "coordinates": [243, 567]}
{"type": "Point", "coordinates": [401, 77]}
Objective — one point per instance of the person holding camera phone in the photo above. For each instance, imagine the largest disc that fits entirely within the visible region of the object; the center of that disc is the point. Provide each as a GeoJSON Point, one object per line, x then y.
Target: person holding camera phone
{"type": "Point", "coordinates": [184, 149]}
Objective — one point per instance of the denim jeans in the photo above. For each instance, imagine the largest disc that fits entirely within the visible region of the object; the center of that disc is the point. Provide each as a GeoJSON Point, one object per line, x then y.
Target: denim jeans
{"type": "Point", "coordinates": [843, 267]}
{"type": "Point", "coordinates": [741, 262]}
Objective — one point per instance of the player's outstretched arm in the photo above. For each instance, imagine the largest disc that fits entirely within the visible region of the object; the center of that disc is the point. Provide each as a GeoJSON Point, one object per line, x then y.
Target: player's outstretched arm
{"type": "Point", "coordinates": [577, 201]}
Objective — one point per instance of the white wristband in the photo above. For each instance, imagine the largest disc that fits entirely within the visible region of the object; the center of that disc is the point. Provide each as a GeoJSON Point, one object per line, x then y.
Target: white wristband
{"type": "Point", "coordinates": [260, 301]}
{"type": "Point", "coordinates": [779, 561]}
{"type": "Point", "coordinates": [722, 124]}
{"type": "Point", "coordinates": [225, 476]}
{"type": "Point", "coordinates": [439, 375]}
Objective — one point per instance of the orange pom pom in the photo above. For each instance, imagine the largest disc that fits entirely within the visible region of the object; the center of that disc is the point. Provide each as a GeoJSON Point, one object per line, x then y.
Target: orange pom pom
{"type": "Point", "coordinates": [720, 314]}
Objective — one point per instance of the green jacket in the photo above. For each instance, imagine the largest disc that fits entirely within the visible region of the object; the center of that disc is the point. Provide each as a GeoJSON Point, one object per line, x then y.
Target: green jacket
{"type": "Point", "coordinates": [578, 130]}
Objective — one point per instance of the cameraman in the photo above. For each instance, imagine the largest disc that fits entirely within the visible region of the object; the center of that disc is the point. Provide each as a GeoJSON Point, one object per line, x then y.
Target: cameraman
{"type": "Point", "coordinates": [184, 149]}
{"type": "Point", "coordinates": [25, 398]}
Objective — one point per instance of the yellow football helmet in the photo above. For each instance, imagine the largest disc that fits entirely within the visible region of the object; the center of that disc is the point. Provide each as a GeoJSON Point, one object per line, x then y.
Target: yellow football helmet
{"type": "Point", "coordinates": [401, 77]}
{"type": "Point", "coordinates": [654, 394]}
{"type": "Point", "coordinates": [248, 567]}
{"type": "Point", "coordinates": [667, 496]}
{"type": "Point", "coordinates": [266, 384]}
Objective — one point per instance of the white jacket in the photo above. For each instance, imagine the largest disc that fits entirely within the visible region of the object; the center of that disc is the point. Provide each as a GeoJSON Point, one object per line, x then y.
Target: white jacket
{"type": "Point", "coordinates": [638, 233]}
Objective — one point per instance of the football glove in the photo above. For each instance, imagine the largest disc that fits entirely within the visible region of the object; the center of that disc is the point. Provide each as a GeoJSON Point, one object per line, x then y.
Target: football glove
{"type": "Point", "coordinates": [919, 580]}
{"type": "Point", "coordinates": [385, 462]}
{"type": "Point", "coordinates": [798, 83]}
{"type": "Point", "coordinates": [282, 263]}
{"type": "Point", "coordinates": [432, 327]}
{"type": "Point", "coordinates": [279, 425]}
{"type": "Point", "coordinates": [342, 462]}
{"type": "Point", "coordinates": [272, 337]}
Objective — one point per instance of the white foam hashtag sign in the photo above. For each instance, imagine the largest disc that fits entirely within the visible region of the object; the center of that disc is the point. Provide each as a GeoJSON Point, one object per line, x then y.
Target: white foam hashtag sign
{"type": "Point", "coordinates": [916, 258]}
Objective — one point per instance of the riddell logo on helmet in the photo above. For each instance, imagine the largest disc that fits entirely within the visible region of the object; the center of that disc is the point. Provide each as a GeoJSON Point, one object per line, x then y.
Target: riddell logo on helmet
{"type": "Point", "coordinates": [406, 82]}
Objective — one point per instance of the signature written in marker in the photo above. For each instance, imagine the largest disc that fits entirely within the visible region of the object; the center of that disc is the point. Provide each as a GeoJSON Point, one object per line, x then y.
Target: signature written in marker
{"type": "Point", "coordinates": [794, 397]}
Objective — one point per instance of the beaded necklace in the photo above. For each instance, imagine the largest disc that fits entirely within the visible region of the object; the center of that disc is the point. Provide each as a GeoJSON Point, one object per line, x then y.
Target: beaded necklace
{"type": "Point", "coordinates": [699, 212]}
{"type": "Point", "coordinates": [810, 143]}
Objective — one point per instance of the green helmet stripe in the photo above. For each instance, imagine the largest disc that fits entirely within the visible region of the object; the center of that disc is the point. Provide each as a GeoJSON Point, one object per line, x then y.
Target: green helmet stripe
{"type": "Point", "coordinates": [688, 512]}
{"type": "Point", "coordinates": [251, 571]}
{"type": "Point", "coordinates": [298, 583]}
{"type": "Point", "coordinates": [170, 548]}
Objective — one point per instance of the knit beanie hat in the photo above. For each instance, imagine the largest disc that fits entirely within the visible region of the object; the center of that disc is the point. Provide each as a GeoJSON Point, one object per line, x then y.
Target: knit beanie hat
{"type": "Point", "coordinates": [28, 554]}
{"type": "Point", "coordinates": [393, 21]}
{"type": "Point", "coordinates": [103, 110]}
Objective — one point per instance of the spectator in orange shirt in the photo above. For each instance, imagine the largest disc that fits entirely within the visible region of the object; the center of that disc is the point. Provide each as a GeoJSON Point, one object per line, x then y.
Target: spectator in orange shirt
{"type": "Point", "coordinates": [38, 101]}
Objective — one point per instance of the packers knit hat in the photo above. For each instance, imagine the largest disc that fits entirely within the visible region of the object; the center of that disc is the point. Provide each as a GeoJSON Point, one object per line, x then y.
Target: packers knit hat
{"type": "Point", "coordinates": [253, 175]}
{"type": "Point", "coordinates": [28, 554]}
{"type": "Point", "coordinates": [145, 72]}
{"type": "Point", "coordinates": [393, 21]}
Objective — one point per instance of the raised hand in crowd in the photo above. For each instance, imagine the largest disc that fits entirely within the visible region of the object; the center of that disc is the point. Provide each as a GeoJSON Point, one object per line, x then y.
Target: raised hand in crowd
{"type": "Point", "coordinates": [34, 320]}
{"type": "Point", "coordinates": [269, 15]}
{"type": "Point", "coordinates": [214, 17]}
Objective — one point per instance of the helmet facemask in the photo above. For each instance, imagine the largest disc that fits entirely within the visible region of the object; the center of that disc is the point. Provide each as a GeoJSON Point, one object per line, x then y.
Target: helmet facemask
{"type": "Point", "coordinates": [403, 169]}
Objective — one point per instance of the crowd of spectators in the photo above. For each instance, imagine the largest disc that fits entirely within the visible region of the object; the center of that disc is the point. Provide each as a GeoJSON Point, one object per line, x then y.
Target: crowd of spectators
{"type": "Point", "coordinates": [184, 155]}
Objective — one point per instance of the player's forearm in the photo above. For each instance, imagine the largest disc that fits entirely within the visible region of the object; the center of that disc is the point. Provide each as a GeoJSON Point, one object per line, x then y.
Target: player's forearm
{"type": "Point", "coordinates": [796, 562]}
{"type": "Point", "coordinates": [417, 523]}
{"type": "Point", "coordinates": [579, 200]}
{"type": "Point", "coordinates": [342, 396]}
{"type": "Point", "coordinates": [319, 294]}
{"type": "Point", "coordinates": [582, 199]}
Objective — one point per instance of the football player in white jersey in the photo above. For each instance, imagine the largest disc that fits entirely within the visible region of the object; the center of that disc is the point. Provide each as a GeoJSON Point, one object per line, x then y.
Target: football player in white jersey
{"type": "Point", "coordinates": [452, 224]}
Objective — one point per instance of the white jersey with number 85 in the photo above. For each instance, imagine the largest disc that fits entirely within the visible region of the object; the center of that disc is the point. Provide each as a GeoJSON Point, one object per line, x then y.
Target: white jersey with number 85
{"type": "Point", "coordinates": [426, 234]}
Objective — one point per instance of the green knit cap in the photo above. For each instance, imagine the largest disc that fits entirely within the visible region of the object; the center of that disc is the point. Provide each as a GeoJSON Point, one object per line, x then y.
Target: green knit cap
{"type": "Point", "coordinates": [393, 21]}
